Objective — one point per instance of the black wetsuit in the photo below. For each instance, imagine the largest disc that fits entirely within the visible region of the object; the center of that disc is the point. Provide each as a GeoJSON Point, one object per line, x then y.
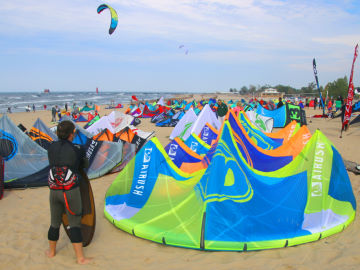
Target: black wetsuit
{"type": "Point", "coordinates": [64, 153]}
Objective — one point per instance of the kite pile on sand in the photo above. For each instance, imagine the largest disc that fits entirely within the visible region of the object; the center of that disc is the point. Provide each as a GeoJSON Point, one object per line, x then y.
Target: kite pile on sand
{"type": "Point", "coordinates": [173, 173]}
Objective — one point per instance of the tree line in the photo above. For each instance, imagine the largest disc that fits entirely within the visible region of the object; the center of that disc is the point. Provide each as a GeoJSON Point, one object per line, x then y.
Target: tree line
{"type": "Point", "coordinates": [333, 89]}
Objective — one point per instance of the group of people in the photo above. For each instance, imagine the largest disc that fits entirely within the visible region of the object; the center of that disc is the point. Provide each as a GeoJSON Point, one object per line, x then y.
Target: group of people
{"type": "Point", "coordinates": [28, 108]}
{"type": "Point", "coordinates": [329, 103]}
{"type": "Point", "coordinates": [222, 108]}
{"type": "Point", "coordinates": [55, 111]}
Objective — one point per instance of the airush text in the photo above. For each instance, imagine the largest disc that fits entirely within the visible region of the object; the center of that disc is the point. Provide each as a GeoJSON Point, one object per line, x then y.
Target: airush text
{"type": "Point", "coordinates": [318, 168]}
{"type": "Point", "coordinates": [143, 174]}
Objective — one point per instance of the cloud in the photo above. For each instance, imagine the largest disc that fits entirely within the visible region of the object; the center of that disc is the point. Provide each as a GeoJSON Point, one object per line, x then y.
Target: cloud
{"type": "Point", "coordinates": [282, 33]}
{"type": "Point", "coordinates": [347, 40]}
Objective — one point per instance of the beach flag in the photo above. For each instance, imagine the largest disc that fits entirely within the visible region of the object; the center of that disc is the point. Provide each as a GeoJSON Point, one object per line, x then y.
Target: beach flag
{"type": "Point", "coordinates": [134, 98]}
{"type": "Point", "coordinates": [350, 96]}
{"type": "Point", "coordinates": [318, 87]}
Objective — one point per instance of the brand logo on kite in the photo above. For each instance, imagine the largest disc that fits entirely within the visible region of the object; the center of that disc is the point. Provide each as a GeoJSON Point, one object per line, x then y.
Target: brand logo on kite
{"type": "Point", "coordinates": [117, 122]}
{"type": "Point", "coordinates": [260, 123]}
{"type": "Point", "coordinates": [9, 145]}
{"type": "Point", "coordinates": [294, 113]}
{"type": "Point", "coordinates": [172, 150]}
{"type": "Point", "coordinates": [316, 189]}
{"type": "Point", "coordinates": [147, 155]}
{"type": "Point", "coordinates": [139, 187]}
{"type": "Point", "coordinates": [194, 146]}
{"type": "Point", "coordinates": [318, 170]}
{"type": "Point", "coordinates": [236, 186]}
{"type": "Point", "coordinates": [187, 126]}
{"type": "Point", "coordinates": [205, 134]}
{"type": "Point", "coordinates": [91, 149]}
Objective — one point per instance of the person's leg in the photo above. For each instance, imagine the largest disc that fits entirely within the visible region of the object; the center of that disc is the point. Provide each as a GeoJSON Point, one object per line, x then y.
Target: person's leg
{"type": "Point", "coordinates": [74, 201]}
{"type": "Point", "coordinates": [56, 210]}
{"type": "Point", "coordinates": [80, 258]}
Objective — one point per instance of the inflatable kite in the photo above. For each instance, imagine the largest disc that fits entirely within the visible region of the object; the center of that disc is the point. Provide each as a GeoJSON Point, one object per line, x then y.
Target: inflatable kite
{"type": "Point", "coordinates": [229, 205]}
{"type": "Point", "coordinates": [114, 17]}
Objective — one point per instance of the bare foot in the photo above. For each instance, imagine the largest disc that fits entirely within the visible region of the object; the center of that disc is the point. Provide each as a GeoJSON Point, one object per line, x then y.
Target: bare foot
{"type": "Point", "coordinates": [84, 260]}
{"type": "Point", "coordinates": [50, 253]}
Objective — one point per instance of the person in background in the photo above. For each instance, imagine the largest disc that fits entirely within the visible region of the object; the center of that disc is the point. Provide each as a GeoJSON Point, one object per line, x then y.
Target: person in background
{"type": "Point", "coordinates": [238, 108]}
{"type": "Point", "coordinates": [66, 106]}
{"type": "Point", "coordinates": [45, 107]}
{"type": "Point", "coordinates": [33, 107]}
{"type": "Point", "coordinates": [222, 110]}
{"type": "Point", "coordinates": [329, 106]}
{"type": "Point", "coordinates": [338, 104]}
{"type": "Point", "coordinates": [58, 112]}
{"type": "Point", "coordinates": [53, 114]}
{"type": "Point", "coordinates": [315, 103]}
{"type": "Point", "coordinates": [9, 110]}
{"type": "Point", "coordinates": [280, 103]}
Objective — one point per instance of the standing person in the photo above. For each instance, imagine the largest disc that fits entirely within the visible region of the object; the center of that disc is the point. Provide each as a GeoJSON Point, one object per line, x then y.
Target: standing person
{"type": "Point", "coordinates": [33, 107]}
{"type": "Point", "coordinates": [238, 108]}
{"type": "Point", "coordinates": [53, 114]}
{"type": "Point", "coordinates": [66, 106]}
{"type": "Point", "coordinates": [329, 106]}
{"type": "Point", "coordinates": [9, 110]}
{"type": "Point", "coordinates": [64, 159]}
{"type": "Point", "coordinates": [280, 103]}
{"type": "Point", "coordinates": [45, 107]}
{"type": "Point", "coordinates": [315, 103]}
{"type": "Point", "coordinates": [222, 110]}
{"type": "Point", "coordinates": [338, 104]}
{"type": "Point", "coordinates": [58, 112]}
{"type": "Point", "coordinates": [342, 100]}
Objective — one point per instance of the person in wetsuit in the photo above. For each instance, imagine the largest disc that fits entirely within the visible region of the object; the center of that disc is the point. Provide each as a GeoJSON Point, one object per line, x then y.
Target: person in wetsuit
{"type": "Point", "coordinates": [66, 159]}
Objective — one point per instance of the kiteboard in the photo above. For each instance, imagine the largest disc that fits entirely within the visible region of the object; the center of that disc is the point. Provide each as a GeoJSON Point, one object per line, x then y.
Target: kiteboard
{"type": "Point", "coordinates": [88, 219]}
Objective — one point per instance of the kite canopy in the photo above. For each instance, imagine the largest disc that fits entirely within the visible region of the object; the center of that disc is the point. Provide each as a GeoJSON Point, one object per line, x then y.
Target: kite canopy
{"type": "Point", "coordinates": [284, 115]}
{"type": "Point", "coordinates": [265, 124]}
{"type": "Point", "coordinates": [114, 17]}
{"type": "Point", "coordinates": [183, 127]}
{"type": "Point", "coordinates": [114, 122]}
{"type": "Point", "coordinates": [229, 205]}
{"type": "Point", "coordinates": [26, 162]}
{"type": "Point", "coordinates": [41, 134]}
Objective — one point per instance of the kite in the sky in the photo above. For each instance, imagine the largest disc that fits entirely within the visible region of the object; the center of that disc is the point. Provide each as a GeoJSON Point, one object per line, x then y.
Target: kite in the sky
{"type": "Point", "coordinates": [184, 48]}
{"type": "Point", "coordinates": [114, 17]}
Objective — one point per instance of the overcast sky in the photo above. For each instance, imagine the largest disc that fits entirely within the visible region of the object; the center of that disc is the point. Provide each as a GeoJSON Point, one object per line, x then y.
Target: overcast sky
{"type": "Point", "coordinates": [64, 45]}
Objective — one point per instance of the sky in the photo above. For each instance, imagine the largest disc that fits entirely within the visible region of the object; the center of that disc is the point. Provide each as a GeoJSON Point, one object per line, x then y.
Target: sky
{"type": "Point", "coordinates": [64, 45]}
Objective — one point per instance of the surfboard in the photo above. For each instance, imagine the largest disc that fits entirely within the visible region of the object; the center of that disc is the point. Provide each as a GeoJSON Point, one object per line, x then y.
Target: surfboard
{"type": "Point", "coordinates": [88, 219]}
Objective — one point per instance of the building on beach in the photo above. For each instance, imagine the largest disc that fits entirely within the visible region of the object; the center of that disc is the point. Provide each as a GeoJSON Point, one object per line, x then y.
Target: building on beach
{"type": "Point", "coordinates": [271, 93]}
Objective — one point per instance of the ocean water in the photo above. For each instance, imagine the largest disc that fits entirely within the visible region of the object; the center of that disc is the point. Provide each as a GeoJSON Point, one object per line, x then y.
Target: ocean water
{"type": "Point", "coordinates": [19, 101]}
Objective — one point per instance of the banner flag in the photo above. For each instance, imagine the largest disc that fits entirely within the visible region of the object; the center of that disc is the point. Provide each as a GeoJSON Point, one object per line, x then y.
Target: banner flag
{"type": "Point", "coordinates": [318, 87]}
{"type": "Point", "coordinates": [348, 107]}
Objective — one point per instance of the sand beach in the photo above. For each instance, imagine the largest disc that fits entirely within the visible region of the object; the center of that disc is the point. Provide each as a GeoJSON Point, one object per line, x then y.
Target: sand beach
{"type": "Point", "coordinates": [24, 221]}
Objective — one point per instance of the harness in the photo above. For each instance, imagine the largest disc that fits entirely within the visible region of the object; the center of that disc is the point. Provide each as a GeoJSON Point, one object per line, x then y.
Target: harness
{"type": "Point", "coordinates": [62, 178]}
